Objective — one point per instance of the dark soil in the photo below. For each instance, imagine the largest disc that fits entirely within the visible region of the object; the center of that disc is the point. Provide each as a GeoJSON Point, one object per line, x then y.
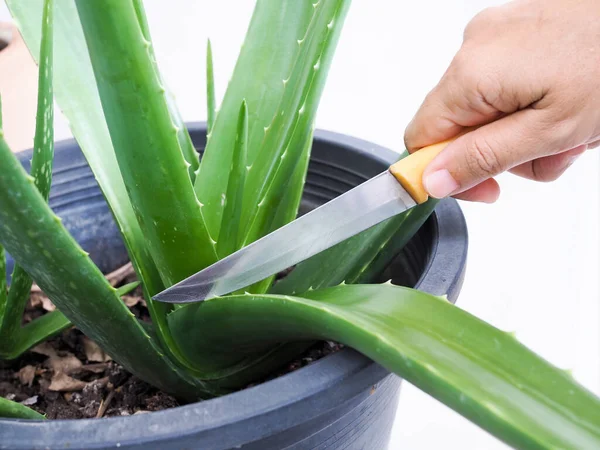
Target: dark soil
{"type": "Point", "coordinates": [69, 377]}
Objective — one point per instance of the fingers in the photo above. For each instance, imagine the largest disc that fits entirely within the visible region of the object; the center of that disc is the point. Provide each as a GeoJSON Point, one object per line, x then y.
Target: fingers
{"type": "Point", "coordinates": [446, 111]}
{"type": "Point", "coordinates": [486, 192]}
{"type": "Point", "coordinates": [549, 168]}
{"type": "Point", "coordinates": [495, 148]}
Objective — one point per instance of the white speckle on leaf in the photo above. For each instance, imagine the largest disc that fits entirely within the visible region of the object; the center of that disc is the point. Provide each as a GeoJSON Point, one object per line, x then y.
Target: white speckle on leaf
{"type": "Point", "coordinates": [330, 24]}
{"type": "Point", "coordinates": [301, 110]}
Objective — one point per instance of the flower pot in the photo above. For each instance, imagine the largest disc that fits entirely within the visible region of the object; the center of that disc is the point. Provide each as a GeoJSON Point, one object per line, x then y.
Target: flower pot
{"type": "Point", "coordinates": [342, 401]}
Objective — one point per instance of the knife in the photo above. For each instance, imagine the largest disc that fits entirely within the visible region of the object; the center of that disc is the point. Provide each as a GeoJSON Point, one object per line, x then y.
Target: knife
{"type": "Point", "coordinates": [392, 192]}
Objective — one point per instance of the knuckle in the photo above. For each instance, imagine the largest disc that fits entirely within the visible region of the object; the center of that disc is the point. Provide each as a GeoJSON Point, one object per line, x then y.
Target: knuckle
{"type": "Point", "coordinates": [481, 158]}
{"type": "Point", "coordinates": [490, 90]}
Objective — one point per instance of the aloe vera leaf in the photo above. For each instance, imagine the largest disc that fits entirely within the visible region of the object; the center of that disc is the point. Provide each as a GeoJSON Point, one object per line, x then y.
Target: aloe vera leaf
{"type": "Point", "coordinates": [3, 286]}
{"type": "Point", "coordinates": [183, 136]}
{"type": "Point", "coordinates": [46, 326]}
{"type": "Point", "coordinates": [41, 171]}
{"type": "Point", "coordinates": [141, 129]}
{"type": "Point", "coordinates": [14, 410]}
{"type": "Point", "coordinates": [304, 86]}
{"type": "Point", "coordinates": [43, 141]}
{"type": "Point", "coordinates": [288, 205]}
{"type": "Point", "coordinates": [360, 258]}
{"type": "Point", "coordinates": [75, 92]}
{"type": "Point", "coordinates": [38, 241]}
{"type": "Point", "coordinates": [413, 221]}
{"type": "Point", "coordinates": [270, 53]}
{"type": "Point", "coordinates": [210, 90]}
{"type": "Point", "coordinates": [35, 332]}
{"type": "Point", "coordinates": [232, 234]}
{"type": "Point", "coordinates": [477, 370]}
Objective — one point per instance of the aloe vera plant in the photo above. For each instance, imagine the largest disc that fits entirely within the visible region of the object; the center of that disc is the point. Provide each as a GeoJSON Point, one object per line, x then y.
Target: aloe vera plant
{"type": "Point", "coordinates": [178, 213]}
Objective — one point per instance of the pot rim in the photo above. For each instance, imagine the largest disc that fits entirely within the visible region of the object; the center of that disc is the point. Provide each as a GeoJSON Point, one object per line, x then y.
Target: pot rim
{"type": "Point", "coordinates": [322, 383]}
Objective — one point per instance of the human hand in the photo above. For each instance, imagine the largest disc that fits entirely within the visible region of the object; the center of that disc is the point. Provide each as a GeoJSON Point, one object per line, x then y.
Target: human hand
{"type": "Point", "coordinates": [529, 71]}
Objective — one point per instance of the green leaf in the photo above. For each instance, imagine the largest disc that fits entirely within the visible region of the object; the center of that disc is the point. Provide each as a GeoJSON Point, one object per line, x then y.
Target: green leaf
{"type": "Point", "coordinates": [38, 241]}
{"type": "Point", "coordinates": [13, 410]}
{"type": "Point", "coordinates": [127, 288]}
{"type": "Point", "coordinates": [286, 206]}
{"type": "Point", "coordinates": [35, 332]}
{"type": "Point", "coordinates": [477, 370]}
{"type": "Point", "coordinates": [283, 141]}
{"type": "Point", "coordinates": [183, 136]}
{"type": "Point", "coordinates": [411, 223]}
{"type": "Point", "coordinates": [361, 258]}
{"type": "Point", "coordinates": [14, 339]}
{"type": "Point", "coordinates": [272, 54]}
{"type": "Point", "coordinates": [141, 129]}
{"type": "Point", "coordinates": [43, 142]}
{"type": "Point", "coordinates": [3, 287]}
{"type": "Point", "coordinates": [75, 92]}
{"type": "Point", "coordinates": [210, 90]}
{"type": "Point", "coordinates": [232, 232]}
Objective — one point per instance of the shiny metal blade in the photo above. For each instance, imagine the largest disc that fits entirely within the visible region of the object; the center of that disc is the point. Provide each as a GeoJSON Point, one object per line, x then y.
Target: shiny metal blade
{"type": "Point", "coordinates": [360, 208]}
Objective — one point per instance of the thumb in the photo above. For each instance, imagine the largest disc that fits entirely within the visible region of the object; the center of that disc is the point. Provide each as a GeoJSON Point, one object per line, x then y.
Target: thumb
{"type": "Point", "coordinates": [492, 149]}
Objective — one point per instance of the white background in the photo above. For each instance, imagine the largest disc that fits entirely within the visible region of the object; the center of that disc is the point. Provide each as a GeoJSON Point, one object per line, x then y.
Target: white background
{"type": "Point", "coordinates": [533, 258]}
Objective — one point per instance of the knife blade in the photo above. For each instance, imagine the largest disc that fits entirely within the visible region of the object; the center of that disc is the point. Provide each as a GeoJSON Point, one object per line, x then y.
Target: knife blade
{"type": "Point", "coordinates": [390, 193]}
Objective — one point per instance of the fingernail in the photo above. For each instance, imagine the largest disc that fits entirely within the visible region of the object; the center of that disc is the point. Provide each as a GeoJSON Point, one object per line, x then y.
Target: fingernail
{"type": "Point", "coordinates": [440, 184]}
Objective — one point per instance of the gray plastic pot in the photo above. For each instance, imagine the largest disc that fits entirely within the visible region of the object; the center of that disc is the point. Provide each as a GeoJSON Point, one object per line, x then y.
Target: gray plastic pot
{"type": "Point", "coordinates": [343, 401]}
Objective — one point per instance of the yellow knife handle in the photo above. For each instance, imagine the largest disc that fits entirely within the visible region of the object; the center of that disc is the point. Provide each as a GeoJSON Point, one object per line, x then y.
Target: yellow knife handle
{"type": "Point", "coordinates": [409, 170]}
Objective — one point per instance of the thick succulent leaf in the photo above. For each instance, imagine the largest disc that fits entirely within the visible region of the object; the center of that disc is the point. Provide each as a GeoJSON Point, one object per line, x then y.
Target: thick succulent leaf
{"type": "Point", "coordinates": [232, 233]}
{"type": "Point", "coordinates": [3, 287]}
{"type": "Point", "coordinates": [76, 93]}
{"type": "Point", "coordinates": [13, 410]}
{"type": "Point", "coordinates": [210, 90]}
{"type": "Point", "coordinates": [33, 333]}
{"type": "Point", "coordinates": [143, 124]}
{"type": "Point", "coordinates": [12, 336]}
{"type": "Point", "coordinates": [38, 241]}
{"type": "Point", "coordinates": [281, 50]}
{"type": "Point", "coordinates": [287, 205]}
{"type": "Point", "coordinates": [43, 141]}
{"type": "Point", "coordinates": [183, 136]}
{"type": "Point", "coordinates": [479, 371]}
{"type": "Point", "coordinates": [376, 268]}
{"type": "Point", "coordinates": [283, 142]}
{"type": "Point", "coordinates": [361, 258]}
{"type": "Point", "coordinates": [141, 128]}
